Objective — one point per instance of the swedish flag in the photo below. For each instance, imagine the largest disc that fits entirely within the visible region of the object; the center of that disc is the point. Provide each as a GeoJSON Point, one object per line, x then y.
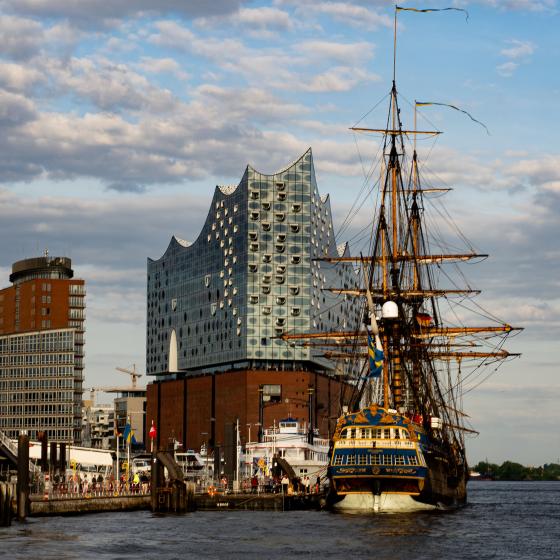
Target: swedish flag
{"type": "Point", "coordinates": [376, 357]}
{"type": "Point", "coordinates": [128, 434]}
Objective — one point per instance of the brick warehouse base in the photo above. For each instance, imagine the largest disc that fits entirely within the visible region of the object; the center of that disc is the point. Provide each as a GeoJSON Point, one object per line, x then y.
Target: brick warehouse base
{"type": "Point", "coordinates": [196, 410]}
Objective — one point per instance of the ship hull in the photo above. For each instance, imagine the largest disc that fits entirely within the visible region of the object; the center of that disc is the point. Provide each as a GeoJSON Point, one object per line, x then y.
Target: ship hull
{"type": "Point", "coordinates": [382, 461]}
{"type": "Point", "coordinates": [385, 494]}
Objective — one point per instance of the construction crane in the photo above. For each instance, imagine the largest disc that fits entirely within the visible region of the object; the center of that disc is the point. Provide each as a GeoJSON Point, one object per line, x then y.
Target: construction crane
{"type": "Point", "coordinates": [133, 374]}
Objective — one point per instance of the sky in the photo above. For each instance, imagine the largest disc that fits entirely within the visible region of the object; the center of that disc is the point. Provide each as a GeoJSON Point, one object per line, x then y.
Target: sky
{"type": "Point", "coordinates": [117, 120]}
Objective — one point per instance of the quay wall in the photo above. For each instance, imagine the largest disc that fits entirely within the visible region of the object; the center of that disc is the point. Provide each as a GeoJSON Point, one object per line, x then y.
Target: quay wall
{"type": "Point", "coordinates": [95, 504]}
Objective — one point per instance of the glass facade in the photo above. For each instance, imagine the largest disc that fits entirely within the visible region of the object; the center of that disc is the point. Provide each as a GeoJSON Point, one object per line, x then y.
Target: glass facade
{"type": "Point", "coordinates": [251, 276]}
{"type": "Point", "coordinates": [41, 384]}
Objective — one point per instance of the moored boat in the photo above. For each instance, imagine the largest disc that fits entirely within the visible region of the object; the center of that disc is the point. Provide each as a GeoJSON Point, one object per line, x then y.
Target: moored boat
{"type": "Point", "coordinates": [399, 444]}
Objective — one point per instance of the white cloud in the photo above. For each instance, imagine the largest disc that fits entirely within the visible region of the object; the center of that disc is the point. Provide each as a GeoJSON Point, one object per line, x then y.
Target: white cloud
{"type": "Point", "coordinates": [20, 38]}
{"type": "Point", "coordinates": [337, 79]}
{"type": "Point", "coordinates": [256, 22]}
{"type": "Point", "coordinates": [518, 49]}
{"type": "Point", "coordinates": [507, 69]}
{"type": "Point", "coordinates": [161, 66]}
{"type": "Point", "coordinates": [20, 78]}
{"type": "Point", "coordinates": [350, 53]}
{"type": "Point", "coordinates": [521, 5]}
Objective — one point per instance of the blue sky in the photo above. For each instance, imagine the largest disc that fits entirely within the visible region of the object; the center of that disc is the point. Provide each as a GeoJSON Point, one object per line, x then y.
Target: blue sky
{"type": "Point", "coordinates": [119, 118]}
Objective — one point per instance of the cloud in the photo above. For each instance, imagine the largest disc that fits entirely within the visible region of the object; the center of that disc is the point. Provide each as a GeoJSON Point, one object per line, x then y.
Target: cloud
{"type": "Point", "coordinates": [15, 109]}
{"type": "Point", "coordinates": [277, 68]}
{"type": "Point", "coordinates": [518, 49]}
{"type": "Point", "coordinates": [92, 13]}
{"type": "Point", "coordinates": [20, 38]}
{"type": "Point", "coordinates": [109, 86]}
{"type": "Point", "coordinates": [263, 22]}
{"type": "Point", "coordinates": [507, 69]}
{"type": "Point", "coordinates": [350, 13]}
{"type": "Point", "coordinates": [20, 78]}
{"type": "Point", "coordinates": [162, 66]}
{"type": "Point", "coordinates": [521, 5]}
{"type": "Point", "coordinates": [351, 53]}
{"type": "Point", "coordinates": [517, 53]}
{"type": "Point", "coordinates": [358, 16]}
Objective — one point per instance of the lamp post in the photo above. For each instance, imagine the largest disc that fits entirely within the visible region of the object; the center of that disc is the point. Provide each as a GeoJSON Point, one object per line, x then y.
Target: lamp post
{"type": "Point", "coordinates": [205, 434]}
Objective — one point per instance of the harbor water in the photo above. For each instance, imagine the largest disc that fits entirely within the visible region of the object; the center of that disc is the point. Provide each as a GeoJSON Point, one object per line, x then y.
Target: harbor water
{"type": "Point", "coordinates": [504, 520]}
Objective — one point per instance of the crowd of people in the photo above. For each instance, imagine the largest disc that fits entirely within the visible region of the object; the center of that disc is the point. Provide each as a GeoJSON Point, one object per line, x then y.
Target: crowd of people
{"type": "Point", "coordinates": [88, 485]}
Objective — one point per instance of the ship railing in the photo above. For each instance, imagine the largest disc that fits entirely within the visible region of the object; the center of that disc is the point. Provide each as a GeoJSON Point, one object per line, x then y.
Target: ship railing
{"type": "Point", "coordinates": [379, 443]}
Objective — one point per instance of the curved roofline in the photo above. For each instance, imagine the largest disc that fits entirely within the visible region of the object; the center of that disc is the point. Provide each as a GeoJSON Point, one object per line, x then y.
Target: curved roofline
{"type": "Point", "coordinates": [283, 169]}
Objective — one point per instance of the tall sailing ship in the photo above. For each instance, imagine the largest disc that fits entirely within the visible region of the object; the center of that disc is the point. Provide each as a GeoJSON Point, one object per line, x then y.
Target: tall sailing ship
{"type": "Point", "coordinates": [400, 446]}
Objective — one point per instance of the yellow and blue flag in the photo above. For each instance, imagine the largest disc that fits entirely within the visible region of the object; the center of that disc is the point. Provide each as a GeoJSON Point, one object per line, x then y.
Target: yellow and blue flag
{"type": "Point", "coordinates": [128, 434]}
{"type": "Point", "coordinates": [376, 357]}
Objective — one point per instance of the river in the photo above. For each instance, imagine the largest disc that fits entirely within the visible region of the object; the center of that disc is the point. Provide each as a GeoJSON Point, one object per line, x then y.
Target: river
{"type": "Point", "coordinates": [503, 520]}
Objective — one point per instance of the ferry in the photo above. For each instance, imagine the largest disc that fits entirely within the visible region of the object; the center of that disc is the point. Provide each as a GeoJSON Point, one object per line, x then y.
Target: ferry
{"type": "Point", "coordinates": [292, 442]}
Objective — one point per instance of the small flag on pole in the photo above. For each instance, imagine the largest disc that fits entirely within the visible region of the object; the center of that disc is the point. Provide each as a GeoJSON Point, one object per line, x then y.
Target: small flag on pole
{"type": "Point", "coordinates": [128, 434]}
{"type": "Point", "coordinates": [428, 10]}
{"type": "Point", "coordinates": [153, 432]}
{"type": "Point", "coordinates": [376, 357]}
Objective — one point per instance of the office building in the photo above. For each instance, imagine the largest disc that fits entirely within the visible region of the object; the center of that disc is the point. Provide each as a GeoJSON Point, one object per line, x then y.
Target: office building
{"type": "Point", "coordinates": [42, 350]}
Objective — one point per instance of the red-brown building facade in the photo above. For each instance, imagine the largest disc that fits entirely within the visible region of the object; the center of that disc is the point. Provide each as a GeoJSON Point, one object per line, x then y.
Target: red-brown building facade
{"type": "Point", "coordinates": [195, 410]}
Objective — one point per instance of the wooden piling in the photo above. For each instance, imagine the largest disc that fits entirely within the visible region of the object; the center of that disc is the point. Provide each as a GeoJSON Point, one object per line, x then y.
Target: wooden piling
{"type": "Point", "coordinates": [23, 477]}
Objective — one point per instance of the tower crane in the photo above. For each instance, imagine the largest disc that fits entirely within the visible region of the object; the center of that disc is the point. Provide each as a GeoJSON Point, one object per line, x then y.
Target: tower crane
{"type": "Point", "coordinates": [132, 372]}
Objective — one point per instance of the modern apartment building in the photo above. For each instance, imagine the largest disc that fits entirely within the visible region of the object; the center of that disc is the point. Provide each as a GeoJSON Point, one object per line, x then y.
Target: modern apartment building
{"type": "Point", "coordinates": [42, 350]}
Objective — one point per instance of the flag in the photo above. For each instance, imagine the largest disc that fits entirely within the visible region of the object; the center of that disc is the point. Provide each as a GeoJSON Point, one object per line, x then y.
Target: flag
{"type": "Point", "coordinates": [426, 103]}
{"type": "Point", "coordinates": [423, 319]}
{"type": "Point", "coordinates": [375, 358]}
{"type": "Point", "coordinates": [153, 431]}
{"type": "Point", "coordinates": [426, 10]}
{"type": "Point", "coordinates": [128, 434]}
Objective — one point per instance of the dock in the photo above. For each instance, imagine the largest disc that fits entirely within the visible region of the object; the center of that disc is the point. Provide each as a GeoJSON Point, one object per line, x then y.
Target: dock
{"type": "Point", "coordinates": [202, 502]}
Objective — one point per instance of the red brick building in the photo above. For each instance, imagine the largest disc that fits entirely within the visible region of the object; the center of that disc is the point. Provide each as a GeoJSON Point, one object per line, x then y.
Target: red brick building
{"type": "Point", "coordinates": [195, 410]}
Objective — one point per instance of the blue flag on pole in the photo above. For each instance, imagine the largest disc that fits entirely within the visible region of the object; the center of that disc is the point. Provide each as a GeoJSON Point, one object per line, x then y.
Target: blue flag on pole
{"type": "Point", "coordinates": [375, 358]}
{"type": "Point", "coordinates": [128, 434]}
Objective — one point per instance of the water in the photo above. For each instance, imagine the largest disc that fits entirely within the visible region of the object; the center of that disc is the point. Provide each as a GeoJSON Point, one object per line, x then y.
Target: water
{"type": "Point", "coordinates": [504, 520]}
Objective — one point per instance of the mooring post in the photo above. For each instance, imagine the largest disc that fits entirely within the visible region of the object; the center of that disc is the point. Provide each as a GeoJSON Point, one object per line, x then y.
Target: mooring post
{"type": "Point", "coordinates": [154, 482]}
{"type": "Point", "coordinates": [23, 476]}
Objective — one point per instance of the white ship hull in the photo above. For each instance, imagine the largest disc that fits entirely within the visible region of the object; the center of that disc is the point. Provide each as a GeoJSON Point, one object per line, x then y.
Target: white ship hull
{"type": "Point", "coordinates": [384, 503]}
